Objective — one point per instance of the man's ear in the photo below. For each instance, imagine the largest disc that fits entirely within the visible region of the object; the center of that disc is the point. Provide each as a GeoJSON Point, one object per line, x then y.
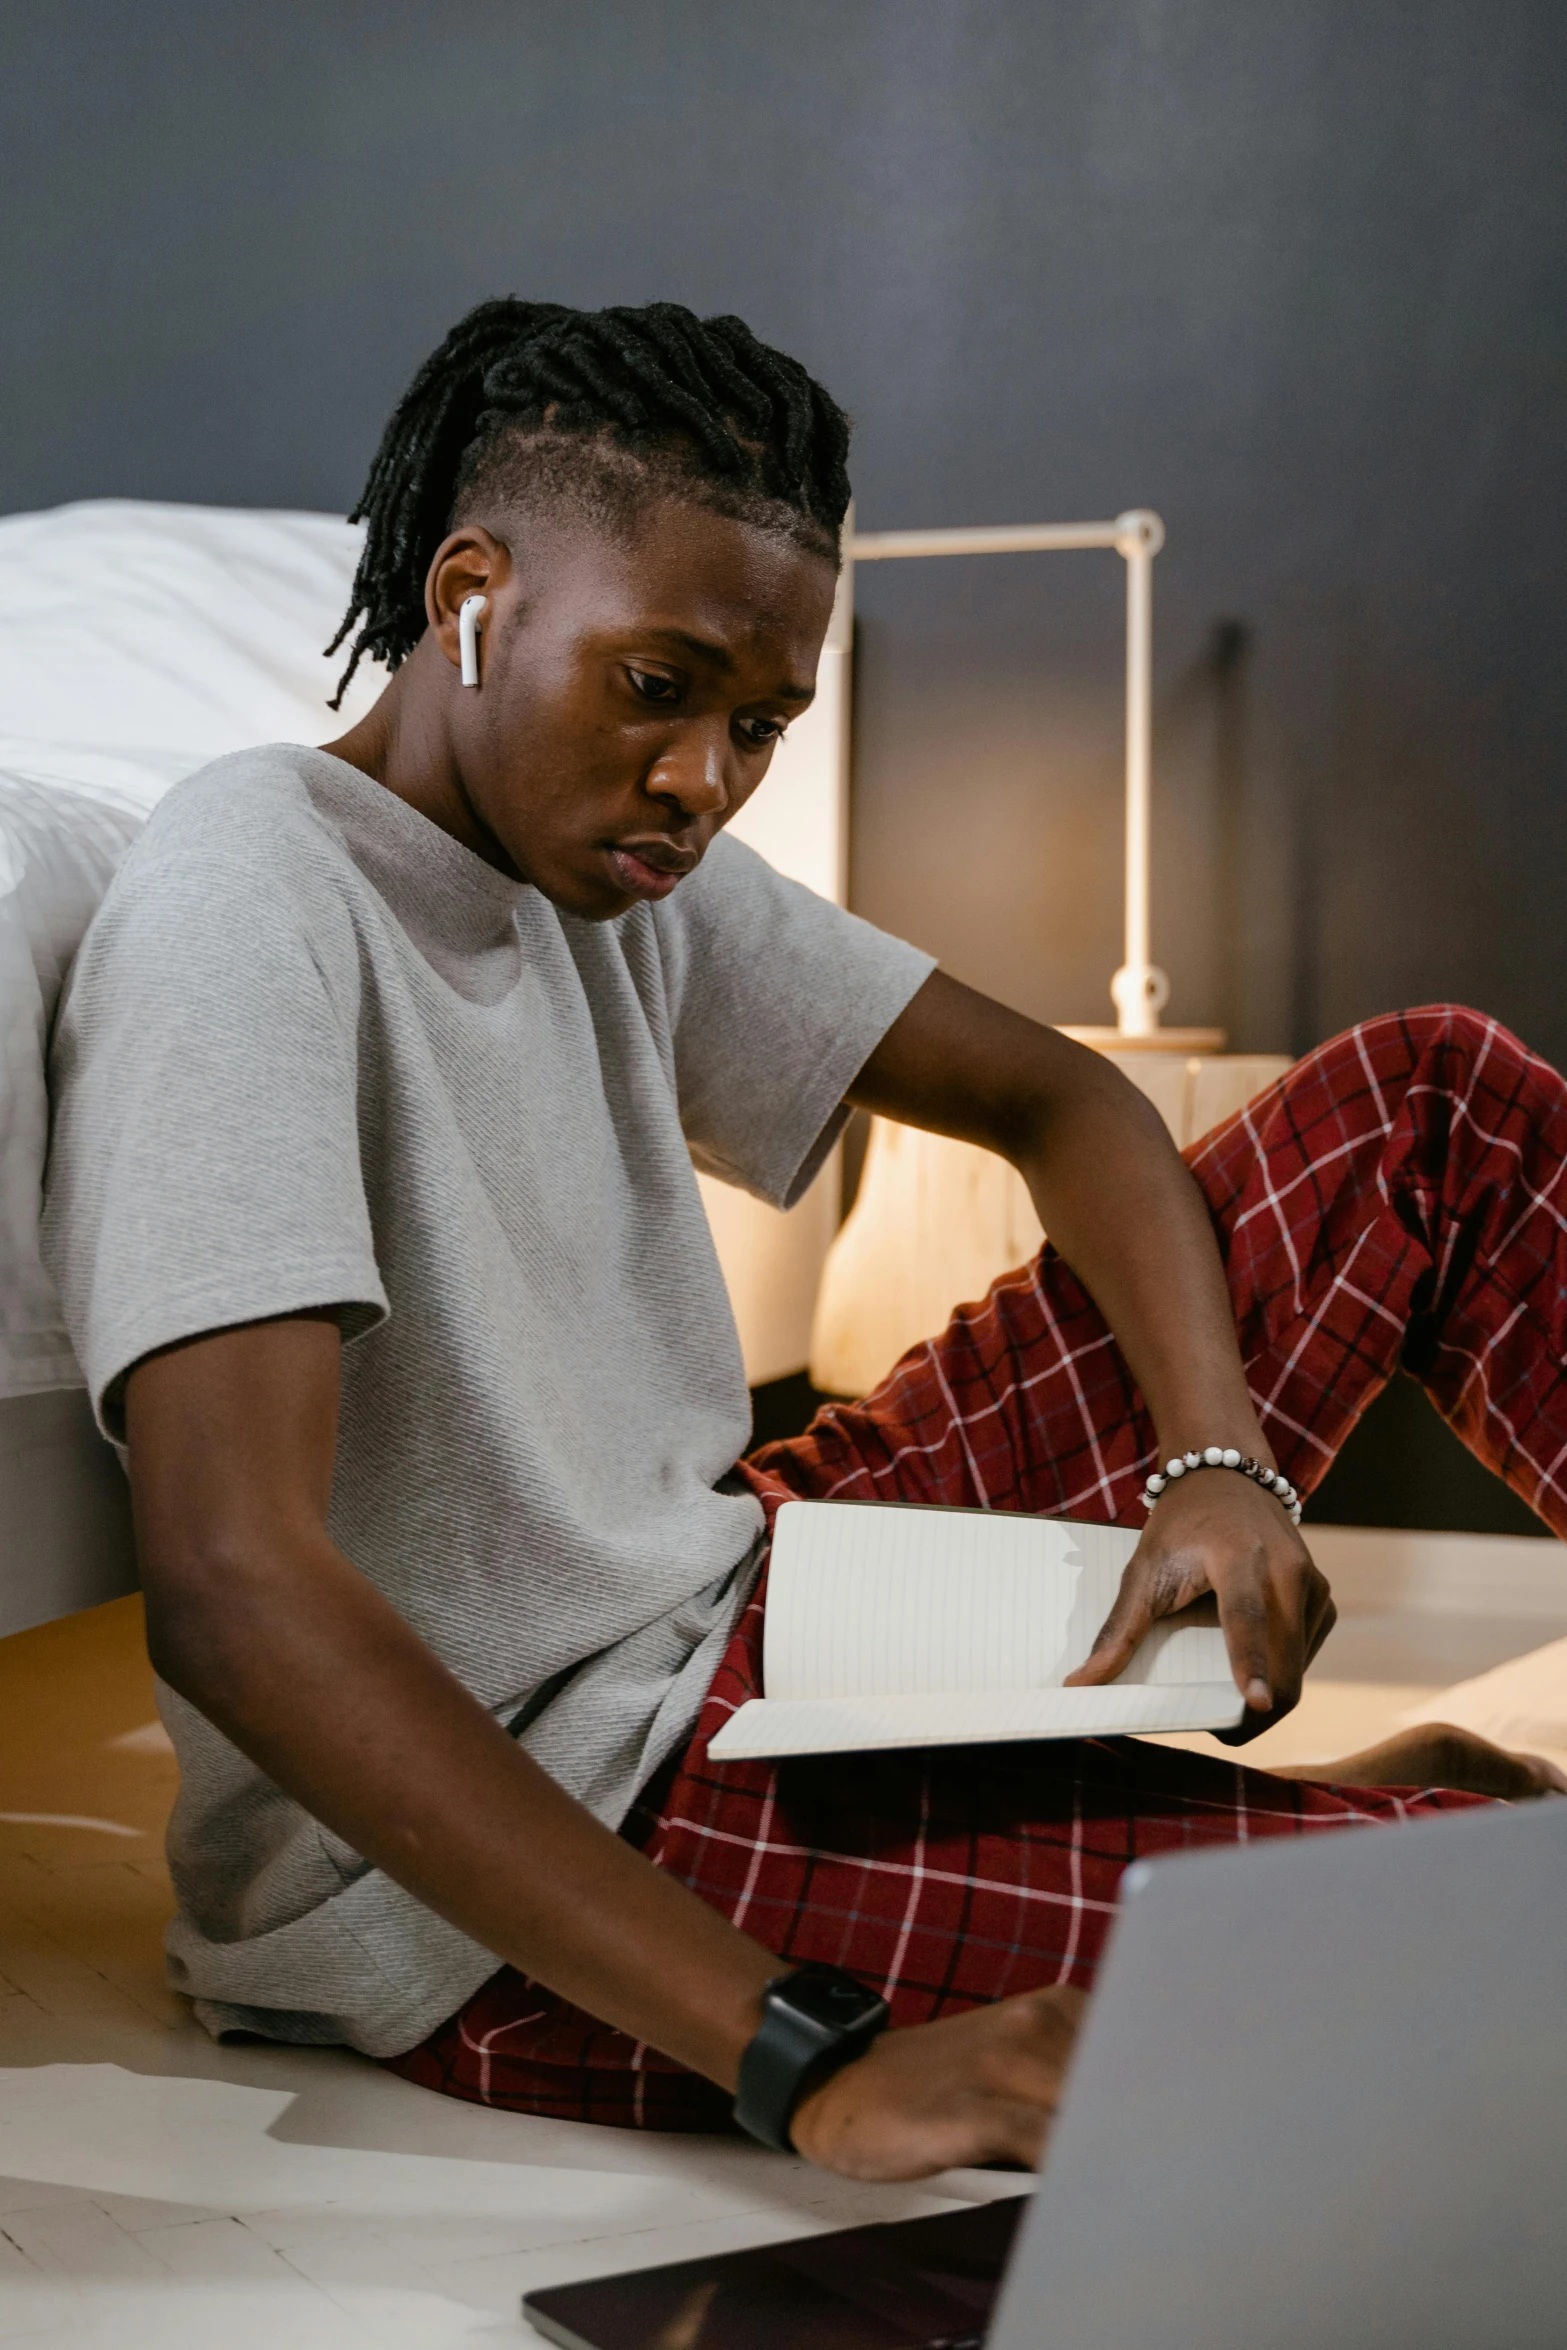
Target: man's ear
{"type": "Point", "coordinates": [470, 562]}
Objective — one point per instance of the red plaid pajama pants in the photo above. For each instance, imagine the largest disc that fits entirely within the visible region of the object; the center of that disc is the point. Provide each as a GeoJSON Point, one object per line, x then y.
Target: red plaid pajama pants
{"type": "Point", "coordinates": [1397, 1199]}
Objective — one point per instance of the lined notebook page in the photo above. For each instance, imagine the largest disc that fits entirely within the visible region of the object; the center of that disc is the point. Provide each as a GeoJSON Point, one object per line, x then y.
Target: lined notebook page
{"type": "Point", "coordinates": [873, 1600]}
{"type": "Point", "coordinates": [893, 1626]}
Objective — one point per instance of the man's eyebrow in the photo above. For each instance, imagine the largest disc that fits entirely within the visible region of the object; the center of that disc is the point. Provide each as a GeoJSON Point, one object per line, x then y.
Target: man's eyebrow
{"type": "Point", "coordinates": [717, 658]}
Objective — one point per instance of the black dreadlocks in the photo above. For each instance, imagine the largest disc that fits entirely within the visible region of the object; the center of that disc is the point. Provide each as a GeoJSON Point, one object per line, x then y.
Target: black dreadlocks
{"type": "Point", "coordinates": [599, 406]}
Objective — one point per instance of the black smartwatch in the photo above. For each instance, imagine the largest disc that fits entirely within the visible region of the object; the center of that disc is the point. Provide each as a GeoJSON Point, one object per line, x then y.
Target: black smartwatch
{"type": "Point", "coordinates": [813, 2022]}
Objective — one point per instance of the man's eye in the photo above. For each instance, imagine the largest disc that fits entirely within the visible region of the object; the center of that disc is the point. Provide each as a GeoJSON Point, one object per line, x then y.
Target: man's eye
{"type": "Point", "coordinates": [653, 688]}
{"type": "Point", "coordinates": [761, 731]}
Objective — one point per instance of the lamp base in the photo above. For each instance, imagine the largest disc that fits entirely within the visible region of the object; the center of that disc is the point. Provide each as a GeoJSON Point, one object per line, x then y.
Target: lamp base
{"type": "Point", "coordinates": [1162, 1040]}
{"type": "Point", "coordinates": [937, 1219]}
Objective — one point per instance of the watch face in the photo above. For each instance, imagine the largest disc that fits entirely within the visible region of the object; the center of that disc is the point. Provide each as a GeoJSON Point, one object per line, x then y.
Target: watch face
{"type": "Point", "coordinates": [830, 1998]}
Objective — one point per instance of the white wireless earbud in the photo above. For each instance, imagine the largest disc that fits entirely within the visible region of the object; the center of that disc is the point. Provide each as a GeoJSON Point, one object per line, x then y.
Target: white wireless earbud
{"type": "Point", "coordinates": [468, 616]}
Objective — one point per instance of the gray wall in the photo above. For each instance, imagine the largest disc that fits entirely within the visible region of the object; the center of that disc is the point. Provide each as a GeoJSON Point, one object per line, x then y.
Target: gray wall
{"type": "Point", "coordinates": [1293, 274]}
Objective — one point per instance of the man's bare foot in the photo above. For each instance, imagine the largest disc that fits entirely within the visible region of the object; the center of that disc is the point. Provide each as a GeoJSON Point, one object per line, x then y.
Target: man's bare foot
{"type": "Point", "coordinates": [1435, 1754]}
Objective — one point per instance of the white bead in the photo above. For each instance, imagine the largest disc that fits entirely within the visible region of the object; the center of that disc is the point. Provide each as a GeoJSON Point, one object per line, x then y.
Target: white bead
{"type": "Point", "coordinates": [1214, 1456]}
{"type": "Point", "coordinates": [1230, 1457]}
{"type": "Point", "coordinates": [1156, 1483]}
{"type": "Point", "coordinates": [1270, 1478]}
{"type": "Point", "coordinates": [1194, 1460]}
{"type": "Point", "coordinates": [1175, 1468]}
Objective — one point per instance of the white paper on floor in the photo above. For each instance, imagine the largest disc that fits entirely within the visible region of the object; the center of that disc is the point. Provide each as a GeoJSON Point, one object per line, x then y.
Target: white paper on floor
{"type": "Point", "coordinates": [207, 2143]}
{"type": "Point", "coordinates": [149, 1738]}
{"type": "Point", "coordinates": [181, 2211]}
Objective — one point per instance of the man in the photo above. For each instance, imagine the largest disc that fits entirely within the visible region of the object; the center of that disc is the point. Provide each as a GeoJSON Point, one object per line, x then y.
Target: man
{"type": "Point", "coordinates": [371, 1202]}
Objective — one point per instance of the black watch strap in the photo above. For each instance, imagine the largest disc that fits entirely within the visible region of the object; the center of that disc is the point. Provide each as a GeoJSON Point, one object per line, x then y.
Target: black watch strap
{"type": "Point", "coordinates": [813, 2021]}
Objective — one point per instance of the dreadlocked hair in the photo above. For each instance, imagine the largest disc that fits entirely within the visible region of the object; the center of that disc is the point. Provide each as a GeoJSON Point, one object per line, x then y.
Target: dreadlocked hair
{"type": "Point", "coordinates": [597, 409]}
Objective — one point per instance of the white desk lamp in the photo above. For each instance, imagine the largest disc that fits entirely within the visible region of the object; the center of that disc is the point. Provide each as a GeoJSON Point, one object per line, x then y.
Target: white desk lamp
{"type": "Point", "coordinates": [1139, 989]}
{"type": "Point", "coordinates": [936, 1221]}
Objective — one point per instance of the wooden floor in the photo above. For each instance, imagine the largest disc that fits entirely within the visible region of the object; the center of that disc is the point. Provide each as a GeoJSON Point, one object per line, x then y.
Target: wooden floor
{"type": "Point", "coordinates": [157, 2189]}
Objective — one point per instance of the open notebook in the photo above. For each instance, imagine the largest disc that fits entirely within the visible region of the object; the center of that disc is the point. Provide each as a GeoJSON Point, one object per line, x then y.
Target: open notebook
{"type": "Point", "coordinates": [897, 1626]}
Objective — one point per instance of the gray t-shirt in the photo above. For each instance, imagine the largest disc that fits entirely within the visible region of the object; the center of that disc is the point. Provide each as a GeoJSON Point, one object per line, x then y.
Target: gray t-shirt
{"type": "Point", "coordinates": [315, 1052]}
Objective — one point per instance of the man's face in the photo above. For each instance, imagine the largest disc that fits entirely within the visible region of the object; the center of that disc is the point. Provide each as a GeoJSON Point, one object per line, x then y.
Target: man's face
{"type": "Point", "coordinates": [631, 695]}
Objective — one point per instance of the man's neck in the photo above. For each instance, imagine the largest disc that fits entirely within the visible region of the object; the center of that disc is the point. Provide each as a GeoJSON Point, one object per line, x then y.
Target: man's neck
{"type": "Point", "coordinates": [403, 744]}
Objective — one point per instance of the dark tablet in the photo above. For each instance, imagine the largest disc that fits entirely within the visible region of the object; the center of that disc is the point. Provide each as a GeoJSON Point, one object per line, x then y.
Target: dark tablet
{"type": "Point", "coordinates": [913, 2284]}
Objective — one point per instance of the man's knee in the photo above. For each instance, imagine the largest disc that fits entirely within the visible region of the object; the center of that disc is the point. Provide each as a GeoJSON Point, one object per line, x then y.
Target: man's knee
{"type": "Point", "coordinates": [1440, 1034]}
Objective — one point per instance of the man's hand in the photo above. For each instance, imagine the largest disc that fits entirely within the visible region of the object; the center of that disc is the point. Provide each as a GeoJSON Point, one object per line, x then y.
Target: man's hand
{"type": "Point", "coordinates": [975, 2088]}
{"type": "Point", "coordinates": [1216, 1531]}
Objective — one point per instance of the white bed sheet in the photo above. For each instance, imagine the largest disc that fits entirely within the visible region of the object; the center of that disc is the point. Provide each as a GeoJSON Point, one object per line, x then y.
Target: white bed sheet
{"type": "Point", "coordinates": [129, 627]}
{"type": "Point", "coordinates": [66, 818]}
{"type": "Point", "coordinates": [136, 642]}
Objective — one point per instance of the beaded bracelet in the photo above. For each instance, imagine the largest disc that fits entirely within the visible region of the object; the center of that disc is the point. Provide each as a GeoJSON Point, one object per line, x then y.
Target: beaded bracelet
{"type": "Point", "coordinates": [1224, 1456]}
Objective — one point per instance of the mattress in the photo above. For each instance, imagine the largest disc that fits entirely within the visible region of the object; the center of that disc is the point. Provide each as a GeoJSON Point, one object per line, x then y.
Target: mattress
{"type": "Point", "coordinates": [65, 1516]}
{"type": "Point", "coordinates": [136, 643]}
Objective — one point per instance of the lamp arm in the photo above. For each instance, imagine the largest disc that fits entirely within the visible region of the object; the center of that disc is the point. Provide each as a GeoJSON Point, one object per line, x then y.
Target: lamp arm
{"type": "Point", "coordinates": [1140, 989]}
{"type": "Point", "coordinates": [1023, 538]}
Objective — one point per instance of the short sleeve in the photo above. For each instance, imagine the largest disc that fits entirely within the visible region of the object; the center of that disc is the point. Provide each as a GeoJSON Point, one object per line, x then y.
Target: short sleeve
{"type": "Point", "coordinates": [204, 1163]}
{"type": "Point", "coordinates": [777, 998]}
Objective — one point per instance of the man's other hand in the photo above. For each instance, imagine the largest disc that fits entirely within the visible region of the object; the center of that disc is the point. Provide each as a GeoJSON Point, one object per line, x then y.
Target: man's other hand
{"type": "Point", "coordinates": [1216, 1532]}
{"type": "Point", "coordinates": [974, 2088]}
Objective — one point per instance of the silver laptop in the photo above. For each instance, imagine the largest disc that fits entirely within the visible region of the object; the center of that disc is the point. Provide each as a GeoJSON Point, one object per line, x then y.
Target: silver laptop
{"type": "Point", "coordinates": [1321, 2104]}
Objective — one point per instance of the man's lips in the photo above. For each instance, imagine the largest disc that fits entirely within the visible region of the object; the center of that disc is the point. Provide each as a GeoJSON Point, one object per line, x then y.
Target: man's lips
{"type": "Point", "coordinates": [649, 868]}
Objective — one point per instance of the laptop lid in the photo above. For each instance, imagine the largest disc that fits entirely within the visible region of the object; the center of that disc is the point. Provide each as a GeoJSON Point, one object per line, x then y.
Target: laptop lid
{"type": "Point", "coordinates": [1321, 2101]}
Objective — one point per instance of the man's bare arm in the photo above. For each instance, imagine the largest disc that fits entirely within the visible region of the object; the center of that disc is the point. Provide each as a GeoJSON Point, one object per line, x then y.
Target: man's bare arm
{"type": "Point", "coordinates": [257, 1619]}
{"type": "Point", "coordinates": [1121, 1207]}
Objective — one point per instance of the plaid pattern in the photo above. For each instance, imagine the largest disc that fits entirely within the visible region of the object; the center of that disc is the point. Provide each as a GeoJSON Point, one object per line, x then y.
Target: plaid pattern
{"type": "Point", "coordinates": [1398, 1197]}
